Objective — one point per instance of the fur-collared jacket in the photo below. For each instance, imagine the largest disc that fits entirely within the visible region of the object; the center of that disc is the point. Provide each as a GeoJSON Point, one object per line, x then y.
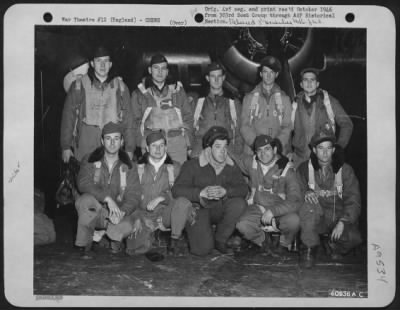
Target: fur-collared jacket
{"type": "Point", "coordinates": [277, 190]}
{"type": "Point", "coordinates": [155, 184]}
{"type": "Point", "coordinates": [144, 97]}
{"type": "Point", "coordinates": [197, 173]}
{"type": "Point", "coordinates": [74, 122]}
{"type": "Point", "coordinates": [95, 179]}
{"type": "Point", "coordinates": [348, 207]}
{"type": "Point", "coordinates": [268, 114]}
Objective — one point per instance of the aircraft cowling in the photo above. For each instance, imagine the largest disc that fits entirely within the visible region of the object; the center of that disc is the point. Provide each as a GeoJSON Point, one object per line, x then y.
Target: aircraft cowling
{"type": "Point", "coordinates": [243, 72]}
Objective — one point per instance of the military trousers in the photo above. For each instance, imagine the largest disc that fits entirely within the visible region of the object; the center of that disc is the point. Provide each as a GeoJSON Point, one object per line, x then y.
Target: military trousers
{"type": "Point", "coordinates": [224, 214]}
{"type": "Point", "coordinates": [250, 226]}
{"type": "Point", "coordinates": [174, 217]}
{"type": "Point", "coordinates": [316, 220]}
{"type": "Point", "coordinates": [93, 215]}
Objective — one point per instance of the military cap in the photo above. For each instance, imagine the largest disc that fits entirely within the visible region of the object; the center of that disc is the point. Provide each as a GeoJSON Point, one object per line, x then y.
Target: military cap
{"type": "Point", "coordinates": [326, 134]}
{"type": "Point", "coordinates": [261, 141]}
{"type": "Point", "coordinates": [214, 133]}
{"type": "Point", "coordinates": [111, 127]}
{"type": "Point", "coordinates": [157, 58]}
{"type": "Point", "coordinates": [101, 51]}
{"type": "Point", "coordinates": [214, 66]}
{"type": "Point", "coordinates": [312, 70]}
{"type": "Point", "coordinates": [155, 136]}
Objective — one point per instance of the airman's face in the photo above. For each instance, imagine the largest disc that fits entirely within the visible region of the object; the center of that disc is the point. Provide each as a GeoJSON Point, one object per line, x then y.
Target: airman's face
{"type": "Point", "coordinates": [112, 142]}
{"type": "Point", "coordinates": [309, 83]}
{"type": "Point", "coordinates": [216, 79]}
{"type": "Point", "coordinates": [266, 154]}
{"type": "Point", "coordinates": [219, 150]}
{"type": "Point", "coordinates": [268, 75]}
{"type": "Point", "coordinates": [159, 72]}
{"type": "Point", "coordinates": [324, 152]}
{"type": "Point", "coordinates": [157, 149]}
{"type": "Point", "coordinates": [102, 66]}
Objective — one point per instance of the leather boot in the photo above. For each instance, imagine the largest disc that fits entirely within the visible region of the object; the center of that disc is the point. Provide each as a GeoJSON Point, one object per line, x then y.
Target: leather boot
{"type": "Point", "coordinates": [281, 250]}
{"type": "Point", "coordinates": [104, 243]}
{"type": "Point", "coordinates": [307, 257]}
{"type": "Point", "coordinates": [234, 242]}
{"type": "Point", "coordinates": [335, 253]}
{"type": "Point", "coordinates": [86, 252]}
{"type": "Point", "coordinates": [177, 247]}
{"type": "Point", "coordinates": [266, 248]}
{"type": "Point", "coordinates": [266, 245]}
{"type": "Point", "coordinates": [115, 247]}
{"type": "Point", "coordinates": [223, 248]}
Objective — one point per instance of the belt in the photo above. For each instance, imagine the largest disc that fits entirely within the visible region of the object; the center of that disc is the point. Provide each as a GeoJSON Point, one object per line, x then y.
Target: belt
{"type": "Point", "coordinates": [326, 193]}
{"type": "Point", "coordinates": [263, 189]}
{"type": "Point", "coordinates": [171, 133]}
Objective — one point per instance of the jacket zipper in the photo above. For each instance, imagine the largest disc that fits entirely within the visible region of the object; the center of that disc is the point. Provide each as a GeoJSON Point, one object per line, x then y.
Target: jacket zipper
{"type": "Point", "coordinates": [111, 172]}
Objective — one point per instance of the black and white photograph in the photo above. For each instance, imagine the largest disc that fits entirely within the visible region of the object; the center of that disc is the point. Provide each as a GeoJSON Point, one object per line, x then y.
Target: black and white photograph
{"type": "Point", "coordinates": [190, 161]}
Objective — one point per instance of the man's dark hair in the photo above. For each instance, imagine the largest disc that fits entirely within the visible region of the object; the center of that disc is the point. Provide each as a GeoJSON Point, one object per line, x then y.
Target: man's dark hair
{"type": "Point", "coordinates": [215, 133]}
{"type": "Point", "coordinates": [308, 70]}
{"type": "Point", "coordinates": [101, 51]}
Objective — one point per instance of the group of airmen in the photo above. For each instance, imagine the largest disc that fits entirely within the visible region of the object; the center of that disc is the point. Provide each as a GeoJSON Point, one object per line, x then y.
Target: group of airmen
{"type": "Point", "coordinates": [211, 170]}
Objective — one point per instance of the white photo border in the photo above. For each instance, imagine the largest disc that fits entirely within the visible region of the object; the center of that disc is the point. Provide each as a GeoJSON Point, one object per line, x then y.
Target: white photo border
{"type": "Point", "coordinates": [19, 30]}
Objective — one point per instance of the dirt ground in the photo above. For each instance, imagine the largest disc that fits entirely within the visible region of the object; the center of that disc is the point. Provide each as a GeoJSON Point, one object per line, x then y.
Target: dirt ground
{"type": "Point", "coordinates": [59, 269]}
